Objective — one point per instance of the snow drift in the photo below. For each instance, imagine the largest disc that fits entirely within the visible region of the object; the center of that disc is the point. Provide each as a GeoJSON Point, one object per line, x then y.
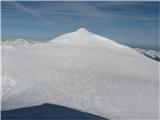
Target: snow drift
{"type": "Point", "coordinates": [84, 71]}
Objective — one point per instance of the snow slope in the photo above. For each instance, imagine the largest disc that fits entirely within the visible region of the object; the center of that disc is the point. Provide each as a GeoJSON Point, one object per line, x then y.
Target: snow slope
{"type": "Point", "coordinates": [84, 71]}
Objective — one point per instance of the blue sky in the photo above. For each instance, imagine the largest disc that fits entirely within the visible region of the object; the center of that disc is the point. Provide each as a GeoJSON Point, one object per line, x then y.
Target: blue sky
{"type": "Point", "coordinates": [125, 22]}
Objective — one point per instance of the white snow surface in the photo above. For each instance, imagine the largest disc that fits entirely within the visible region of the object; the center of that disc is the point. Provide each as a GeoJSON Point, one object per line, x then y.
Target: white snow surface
{"type": "Point", "coordinates": [84, 71]}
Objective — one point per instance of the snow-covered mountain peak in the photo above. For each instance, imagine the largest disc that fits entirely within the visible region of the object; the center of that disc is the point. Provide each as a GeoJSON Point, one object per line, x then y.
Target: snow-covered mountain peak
{"type": "Point", "coordinates": [85, 38]}
{"type": "Point", "coordinates": [82, 30]}
{"type": "Point", "coordinates": [86, 72]}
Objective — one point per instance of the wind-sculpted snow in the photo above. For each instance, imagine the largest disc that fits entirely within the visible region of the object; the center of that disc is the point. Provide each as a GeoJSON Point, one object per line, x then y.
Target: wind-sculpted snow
{"type": "Point", "coordinates": [100, 77]}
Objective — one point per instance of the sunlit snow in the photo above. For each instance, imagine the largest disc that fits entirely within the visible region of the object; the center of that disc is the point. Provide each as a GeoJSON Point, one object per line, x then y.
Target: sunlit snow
{"type": "Point", "coordinates": [84, 71]}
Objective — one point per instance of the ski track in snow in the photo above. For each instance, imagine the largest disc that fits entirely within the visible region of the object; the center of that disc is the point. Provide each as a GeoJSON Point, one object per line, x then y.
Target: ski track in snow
{"type": "Point", "coordinates": [83, 71]}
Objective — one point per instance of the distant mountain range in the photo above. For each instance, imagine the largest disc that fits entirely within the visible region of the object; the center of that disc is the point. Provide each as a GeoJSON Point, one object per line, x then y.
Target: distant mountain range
{"type": "Point", "coordinates": [18, 42]}
{"type": "Point", "coordinates": [155, 55]}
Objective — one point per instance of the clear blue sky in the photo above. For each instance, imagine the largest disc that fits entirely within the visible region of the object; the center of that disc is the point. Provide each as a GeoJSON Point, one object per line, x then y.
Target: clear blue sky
{"type": "Point", "coordinates": [125, 22]}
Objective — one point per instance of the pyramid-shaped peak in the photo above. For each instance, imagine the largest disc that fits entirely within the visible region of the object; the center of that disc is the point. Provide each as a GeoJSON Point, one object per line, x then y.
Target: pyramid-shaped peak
{"type": "Point", "coordinates": [84, 37]}
{"type": "Point", "coordinates": [82, 30]}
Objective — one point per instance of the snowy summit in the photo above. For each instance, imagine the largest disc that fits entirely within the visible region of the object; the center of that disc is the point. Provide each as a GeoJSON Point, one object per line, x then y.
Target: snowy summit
{"type": "Point", "coordinates": [84, 71]}
{"type": "Point", "coordinates": [82, 30]}
{"type": "Point", "coordinates": [86, 38]}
